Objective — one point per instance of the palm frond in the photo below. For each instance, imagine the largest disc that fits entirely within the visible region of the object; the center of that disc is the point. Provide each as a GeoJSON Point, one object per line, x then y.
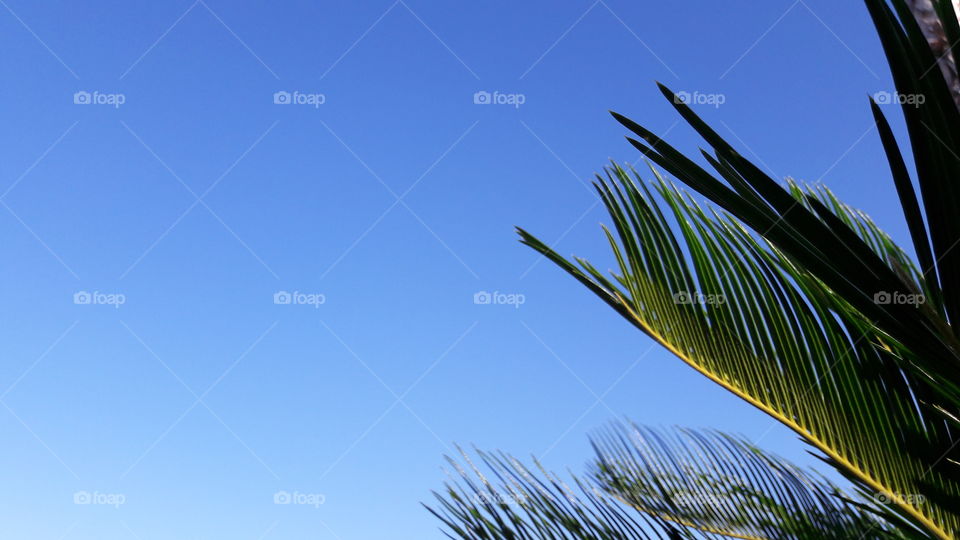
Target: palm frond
{"type": "Point", "coordinates": [747, 314]}
{"type": "Point", "coordinates": [520, 503]}
{"type": "Point", "coordinates": [645, 483]}
{"type": "Point", "coordinates": [717, 482]}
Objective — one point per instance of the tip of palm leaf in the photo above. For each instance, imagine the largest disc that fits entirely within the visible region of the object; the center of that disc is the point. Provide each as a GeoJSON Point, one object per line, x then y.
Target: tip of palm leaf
{"type": "Point", "coordinates": [621, 118]}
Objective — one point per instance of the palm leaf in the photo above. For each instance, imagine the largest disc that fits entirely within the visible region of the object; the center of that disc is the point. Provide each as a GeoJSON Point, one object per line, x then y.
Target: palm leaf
{"type": "Point", "coordinates": [520, 503]}
{"type": "Point", "coordinates": [698, 485]}
{"type": "Point", "coordinates": [745, 312]}
{"type": "Point", "coordinates": [716, 482]}
{"type": "Point", "coordinates": [934, 130]}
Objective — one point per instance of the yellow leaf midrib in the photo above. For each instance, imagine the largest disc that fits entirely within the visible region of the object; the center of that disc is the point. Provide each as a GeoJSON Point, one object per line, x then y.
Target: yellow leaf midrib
{"type": "Point", "coordinates": [914, 512]}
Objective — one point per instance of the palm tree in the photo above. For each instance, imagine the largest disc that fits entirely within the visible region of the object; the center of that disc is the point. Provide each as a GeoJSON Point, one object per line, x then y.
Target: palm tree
{"type": "Point", "coordinates": [794, 302]}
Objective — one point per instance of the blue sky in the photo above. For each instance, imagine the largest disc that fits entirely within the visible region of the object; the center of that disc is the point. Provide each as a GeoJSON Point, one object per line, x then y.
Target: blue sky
{"type": "Point", "coordinates": [183, 410]}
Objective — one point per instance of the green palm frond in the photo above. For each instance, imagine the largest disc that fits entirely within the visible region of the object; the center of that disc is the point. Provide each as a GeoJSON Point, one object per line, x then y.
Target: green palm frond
{"type": "Point", "coordinates": [653, 484]}
{"type": "Point", "coordinates": [716, 482]}
{"type": "Point", "coordinates": [798, 304]}
{"type": "Point", "coordinates": [754, 319]}
{"type": "Point", "coordinates": [934, 130]}
{"type": "Point", "coordinates": [520, 503]}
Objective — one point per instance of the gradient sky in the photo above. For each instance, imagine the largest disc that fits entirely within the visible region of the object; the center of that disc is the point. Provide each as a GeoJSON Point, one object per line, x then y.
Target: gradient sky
{"type": "Point", "coordinates": [181, 412]}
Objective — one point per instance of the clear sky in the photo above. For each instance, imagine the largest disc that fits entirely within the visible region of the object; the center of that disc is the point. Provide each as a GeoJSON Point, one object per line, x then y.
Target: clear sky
{"type": "Point", "coordinates": [179, 400]}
